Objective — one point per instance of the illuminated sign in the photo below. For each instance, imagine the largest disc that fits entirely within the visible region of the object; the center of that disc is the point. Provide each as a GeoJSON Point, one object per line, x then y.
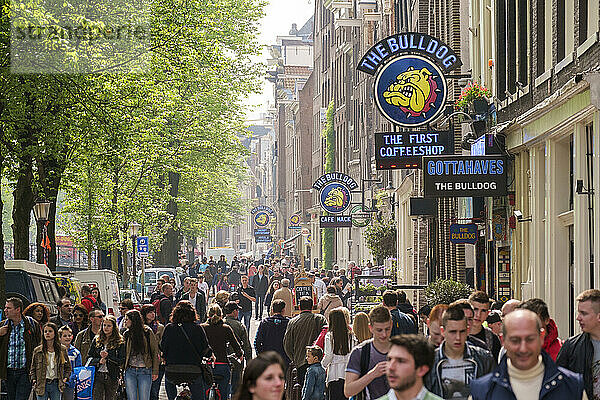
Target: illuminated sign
{"type": "Point", "coordinates": [406, 149]}
{"type": "Point", "coordinates": [335, 189]}
{"type": "Point", "coordinates": [463, 233]}
{"type": "Point", "coordinates": [464, 176]}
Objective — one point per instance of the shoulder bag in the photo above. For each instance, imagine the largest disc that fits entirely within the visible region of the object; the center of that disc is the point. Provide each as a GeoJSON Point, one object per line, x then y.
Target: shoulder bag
{"type": "Point", "coordinates": [188, 373]}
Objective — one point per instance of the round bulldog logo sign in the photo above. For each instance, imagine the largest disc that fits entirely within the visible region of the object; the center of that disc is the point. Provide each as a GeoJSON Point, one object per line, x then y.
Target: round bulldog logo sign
{"type": "Point", "coordinates": [410, 90]}
{"type": "Point", "coordinates": [335, 197]}
{"type": "Point", "coordinates": [262, 218]}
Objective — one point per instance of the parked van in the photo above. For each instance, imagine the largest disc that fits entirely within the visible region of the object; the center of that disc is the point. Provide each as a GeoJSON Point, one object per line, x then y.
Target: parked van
{"type": "Point", "coordinates": [31, 282]}
{"type": "Point", "coordinates": [216, 252]}
{"type": "Point", "coordinates": [151, 275]}
{"type": "Point", "coordinates": [106, 281]}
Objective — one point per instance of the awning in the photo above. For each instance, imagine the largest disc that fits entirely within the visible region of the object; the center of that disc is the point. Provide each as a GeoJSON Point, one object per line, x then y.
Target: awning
{"type": "Point", "coordinates": [292, 238]}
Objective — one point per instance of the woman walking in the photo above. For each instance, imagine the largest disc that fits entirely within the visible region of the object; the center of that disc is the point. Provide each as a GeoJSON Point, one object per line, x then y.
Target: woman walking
{"type": "Point", "coordinates": [184, 342]}
{"type": "Point", "coordinates": [263, 378]}
{"type": "Point", "coordinates": [149, 317]}
{"type": "Point", "coordinates": [219, 336]}
{"type": "Point", "coordinates": [39, 312]}
{"type": "Point", "coordinates": [141, 357]}
{"type": "Point", "coordinates": [96, 295]}
{"type": "Point", "coordinates": [339, 341]}
{"type": "Point", "coordinates": [50, 366]}
{"type": "Point", "coordinates": [269, 298]}
{"type": "Point", "coordinates": [80, 319]}
{"type": "Point", "coordinates": [107, 354]}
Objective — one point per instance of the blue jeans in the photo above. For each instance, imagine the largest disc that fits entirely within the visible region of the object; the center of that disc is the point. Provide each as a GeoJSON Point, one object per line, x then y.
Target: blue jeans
{"type": "Point", "coordinates": [18, 385]}
{"type": "Point", "coordinates": [51, 393]}
{"type": "Point", "coordinates": [156, 384]}
{"type": "Point", "coordinates": [138, 382]}
{"type": "Point", "coordinates": [246, 316]}
{"type": "Point", "coordinates": [222, 374]}
{"type": "Point", "coordinates": [198, 389]}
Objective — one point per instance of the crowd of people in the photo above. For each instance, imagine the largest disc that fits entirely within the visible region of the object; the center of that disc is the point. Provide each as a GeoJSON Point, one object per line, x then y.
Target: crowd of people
{"type": "Point", "coordinates": [198, 336]}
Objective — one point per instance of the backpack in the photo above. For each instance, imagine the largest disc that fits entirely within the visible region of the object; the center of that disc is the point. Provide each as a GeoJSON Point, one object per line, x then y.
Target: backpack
{"type": "Point", "coordinates": [365, 357]}
{"type": "Point", "coordinates": [156, 304]}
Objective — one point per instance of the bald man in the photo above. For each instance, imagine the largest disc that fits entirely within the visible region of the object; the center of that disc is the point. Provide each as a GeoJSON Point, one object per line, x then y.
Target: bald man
{"type": "Point", "coordinates": [510, 306]}
{"type": "Point", "coordinates": [527, 373]}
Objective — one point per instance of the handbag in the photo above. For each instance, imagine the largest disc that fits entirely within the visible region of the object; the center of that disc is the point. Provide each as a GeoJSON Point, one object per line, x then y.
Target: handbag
{"type": "Point", "coordinates": [188, 373]}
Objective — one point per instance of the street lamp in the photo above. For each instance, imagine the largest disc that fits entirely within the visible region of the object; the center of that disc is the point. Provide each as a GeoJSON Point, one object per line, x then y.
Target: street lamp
{"type": "Point", "coordinates": [134, 229]}
{"type": "Point", "coordinates": [41, 210]}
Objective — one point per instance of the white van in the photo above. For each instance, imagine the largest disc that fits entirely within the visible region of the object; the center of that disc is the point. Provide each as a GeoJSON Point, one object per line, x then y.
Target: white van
{"type": "Point", "coordinates": [106, 281]}
{"type": "Point", "coordinates": [151, 275]}
{"type": "Point", "coordinates": [216, 252]}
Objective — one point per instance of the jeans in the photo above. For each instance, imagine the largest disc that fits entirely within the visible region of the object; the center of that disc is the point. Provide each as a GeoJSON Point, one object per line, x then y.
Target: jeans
{"type": "Point", "coordinates": [236, 379]}
{"type": "Point", "coordinates": [335, 390]}
{"type": "Point", "coordinates": [260, 305]}
{"type": "Point", "coordinates": [156, 384]}
{"type": "Point", "coordinates": [198, 389]}
{"type": "Point", "coordinates": [222, 374]}
{"type": "Point", "coordinates": [246, 316]}
{"type": "Point", "coordinates": [51, 393]}
{"type": "Point", "coordinates": [18, 386]}
{"type": "Point", "coordinates": [104, 387]}
{"type": "Point", "coordinates": [138, 382]}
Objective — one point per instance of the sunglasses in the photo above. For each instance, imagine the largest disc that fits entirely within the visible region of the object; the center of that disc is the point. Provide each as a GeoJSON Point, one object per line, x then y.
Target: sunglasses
{"type": "Point", "coordinates": [78, 315]}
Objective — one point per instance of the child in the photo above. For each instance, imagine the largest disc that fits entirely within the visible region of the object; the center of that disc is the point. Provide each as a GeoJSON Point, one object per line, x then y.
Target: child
{"type": "Point", "coordinates": [50, 366]}
{"type": "Point", "coordinates": [314, 382]}
{"type": "Point", "coordinates": [66, 336]}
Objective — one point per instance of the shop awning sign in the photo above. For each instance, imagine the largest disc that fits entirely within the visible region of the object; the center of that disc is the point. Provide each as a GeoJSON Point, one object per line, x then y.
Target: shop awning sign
{"type": "Point", "coordinates": [464, 176]}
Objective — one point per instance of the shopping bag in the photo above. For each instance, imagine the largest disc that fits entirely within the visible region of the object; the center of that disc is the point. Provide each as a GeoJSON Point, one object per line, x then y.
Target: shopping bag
{"type": "Point", "coordinates": [85, 382]}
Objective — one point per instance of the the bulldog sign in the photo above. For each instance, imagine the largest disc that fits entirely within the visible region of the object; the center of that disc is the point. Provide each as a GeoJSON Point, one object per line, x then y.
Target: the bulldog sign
{"type": "Point", "coordinates": [410, 86]}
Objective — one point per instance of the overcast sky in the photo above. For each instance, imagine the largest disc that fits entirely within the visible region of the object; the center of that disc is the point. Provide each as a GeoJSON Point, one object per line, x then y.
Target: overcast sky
{"type": "Point", "coordinates": [278, 20]}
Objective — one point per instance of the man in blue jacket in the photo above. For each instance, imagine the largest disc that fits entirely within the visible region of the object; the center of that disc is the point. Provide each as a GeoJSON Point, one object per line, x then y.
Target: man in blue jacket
{"type": "Point", "coordinates": [270, 332]}
{"type": "Point", "coordinates": [527, 372]}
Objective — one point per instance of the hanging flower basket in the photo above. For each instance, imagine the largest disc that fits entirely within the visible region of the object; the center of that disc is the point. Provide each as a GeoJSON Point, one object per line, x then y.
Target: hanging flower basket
{"type": "Point", "coordinates": [473, 99]}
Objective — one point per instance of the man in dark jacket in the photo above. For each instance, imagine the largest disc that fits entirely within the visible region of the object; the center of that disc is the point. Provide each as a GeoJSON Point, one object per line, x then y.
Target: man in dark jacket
{"type": "Point", "coordinates": [65, 311]}
{"type": "Point", "coordinates": [271, 331]}
{"type": "Point", "coordinates": [19, 335]}
{"type": "Point", "coordinates": [581, 353]}
{"type": "Point", "coordinates": [260, 283]}
{"type": "Point", "coordinates": [231, 318]}
{"type": "Point", "coordinates": [405, 306]}
{"type": "Point", "coordinates": [196, 297]}
{"type": "Point", "coordinates": [166, 303]}
{"type": "Point", "coordinates": [528, 375]}
{"type": "Point", "coordinates": [457, 363]}
{"type": "Point", "coordinates": [401, 323]}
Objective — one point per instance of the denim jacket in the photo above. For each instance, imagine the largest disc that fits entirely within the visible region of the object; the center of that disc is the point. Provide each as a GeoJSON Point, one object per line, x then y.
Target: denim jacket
{"type": "Point", "coordinates": [314, 383]}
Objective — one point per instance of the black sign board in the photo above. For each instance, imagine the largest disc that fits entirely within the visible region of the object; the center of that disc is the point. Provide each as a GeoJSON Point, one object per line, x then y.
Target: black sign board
{"type": "Point", "coordinates": [395, 150]}
{"type": "Point", "coordinates": [464, 176]}
{"type": "Point", "coordinates": [335, 221]}
{"type": "Point", "coordinates": [421, 206]}
{"type": "Point", "coordinates": [263, 238]}
{"type": "Point", "coordinates": [301, 291]}
{"type": "Point", "coordinates": [262, 231]}
{"type": "Point", "coordinates": [409, 43]}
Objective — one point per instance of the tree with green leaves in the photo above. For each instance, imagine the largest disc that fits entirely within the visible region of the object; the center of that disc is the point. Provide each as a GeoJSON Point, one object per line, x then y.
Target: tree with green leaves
{"type": "Point", "coordinates": [327, 234]}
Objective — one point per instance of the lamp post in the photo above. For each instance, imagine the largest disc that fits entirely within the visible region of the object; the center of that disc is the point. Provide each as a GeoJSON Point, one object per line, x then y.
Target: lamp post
{"type": "Point", "coordinates": [41, 210]}
{"type": "Point", "coordinates": [134, 229]}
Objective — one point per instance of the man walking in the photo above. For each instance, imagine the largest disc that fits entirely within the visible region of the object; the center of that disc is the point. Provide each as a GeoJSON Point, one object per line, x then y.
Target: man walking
{"type": "Point", "coordinates": [480, 302]}
{"type": "Point", "coordinates": [260, 282]}
{"type": "Point", "coordinates": [401, 323]}
{"type": "Point", "coordinates": [65, 309]}
{"type": "Point", "coordinates": [527, 372]}
{"type": "Point", "coordinates": [83, 341]}
{"type": "Point", "coordinates": [246, 295]}
{"type": "Point", "coordinates": [88, 301]}
{"type": "Point", "coordinates": [552, 343]}
{"type": "Point", "coordinates": [157, 290]}
{"type": "Point", "coordinates": [271, 331]}
{"type": "Point", "coordinates": [196, 297]}
{"type": "Point", "coordinates": [284, 293]}
{"type": "Point", "coordinates": [456, 362]}
{"type": "Point", "coordinates": [19, 335]}
{"type": "Point", "coordinates": [410, 358]}
{"type": "Point", "coordinates": [302, 331]}
{"type": "Point", "coordinates": [581, 353]}
{"type": "Point", "coordinates": [165, 303]}
{"type": "Point", "coordinates": [231, 318]}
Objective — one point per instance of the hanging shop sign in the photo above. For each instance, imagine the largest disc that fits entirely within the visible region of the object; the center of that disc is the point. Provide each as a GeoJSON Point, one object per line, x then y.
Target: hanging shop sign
{"type": "Point", "coordinates": [410, 83]}
{"type": "Point", "coordinates": [263, 238]}
{"type": "Point", "coordinates": [464, 176]}
{"type": "Point", "coordinates": [263, 208]}
{"type": "Point", "coordinates": [335, 189]}
{"type": "Point", "coordinates": [262, 215]}
{"type": "Point", "coordinates": [360, 219]}
{"type": "Point", "coordinates": [395, 150]}
{"type": "Point", "coordinates": [463, 233]}
{"type": "Point", "coordinates": [335, 221]}
{"type": "Point", "coordinates": [504, 290]}
{"type": "Point", "coordinates": [294, 222]}
{"type": "Point", "coordinates": [262, 231]}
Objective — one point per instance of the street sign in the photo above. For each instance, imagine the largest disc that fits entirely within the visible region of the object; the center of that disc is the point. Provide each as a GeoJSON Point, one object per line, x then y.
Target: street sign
{"type": "Point", "coordinates": [359, 219]}
{"type": "Point", "coordinates": [335, 189]}
{"type": "Point", "coordinates": [262, 231]}
{"type": "Point", "coordinates": [143, 246]}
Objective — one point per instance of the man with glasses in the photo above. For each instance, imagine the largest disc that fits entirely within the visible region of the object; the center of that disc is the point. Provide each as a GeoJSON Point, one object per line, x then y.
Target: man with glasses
{"type": "Point", "coordinates": [65, 311]}
{"type": "Point", "coordinates": [83, 341]}
{"type": "Point", "coordinates": [19, 335]}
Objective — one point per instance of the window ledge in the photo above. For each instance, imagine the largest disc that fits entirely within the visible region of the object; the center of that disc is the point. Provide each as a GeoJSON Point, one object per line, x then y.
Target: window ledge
{"type": "Point", "coordinates": [563, 63]}
{"type": "Point", "coordinates": [543, 77]}
{"type": "Point", "coordinates": [567, 218]}
{"type": "Point", "coordinates": [585, 46]}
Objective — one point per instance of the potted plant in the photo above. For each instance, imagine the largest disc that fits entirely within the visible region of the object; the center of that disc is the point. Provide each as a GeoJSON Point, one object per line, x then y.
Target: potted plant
{"type": "Point", "coordinates": [473, 99]}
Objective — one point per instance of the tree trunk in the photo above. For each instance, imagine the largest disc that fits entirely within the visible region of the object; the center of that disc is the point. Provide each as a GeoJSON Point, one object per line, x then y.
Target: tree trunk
{"type": "Point", "coordinates": [169, 251]}
{"type": "Point", "coordinates": [23, 204]}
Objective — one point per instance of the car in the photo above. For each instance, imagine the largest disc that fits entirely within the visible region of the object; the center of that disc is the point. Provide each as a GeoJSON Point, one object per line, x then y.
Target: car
{"type": "Point", "coordinates": [31, 282]}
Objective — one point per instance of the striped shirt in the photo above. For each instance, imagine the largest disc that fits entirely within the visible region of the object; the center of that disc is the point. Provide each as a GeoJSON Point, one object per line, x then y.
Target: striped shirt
{"type": "Point", "coordinates": [16, 346]}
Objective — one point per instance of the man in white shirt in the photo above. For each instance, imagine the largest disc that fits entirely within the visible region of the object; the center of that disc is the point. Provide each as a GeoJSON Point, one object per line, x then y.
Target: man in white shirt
{"type": "Point", "coordinates": [202, 285]}
{"type": "Point", "coordinates": [320, 286]}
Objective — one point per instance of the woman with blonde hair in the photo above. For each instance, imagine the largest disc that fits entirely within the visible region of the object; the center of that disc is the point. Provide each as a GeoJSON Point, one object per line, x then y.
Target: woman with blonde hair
{"type": "Point", "coordinates": [221, 298]}
{"type": "Point", "coordinates": [360, 328]}
{"type": "Point", "coordinates": [107, 354]}
{"type": "Point", "coordinates": [219, 336]}
{"type": "Point", "coordinates": [50, 366]}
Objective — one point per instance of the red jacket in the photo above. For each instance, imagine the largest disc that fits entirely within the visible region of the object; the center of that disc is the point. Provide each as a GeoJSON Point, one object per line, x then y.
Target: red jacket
{"type": "Point", "coordinates": [89, 302]}
{"type": "Point", "coordinates": [552, 343]}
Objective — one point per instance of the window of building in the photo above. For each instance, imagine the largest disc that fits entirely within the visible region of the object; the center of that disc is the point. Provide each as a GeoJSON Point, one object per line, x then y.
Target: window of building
{"type": "Point", "coordinates": [523, 41]}
{"type": "Point", "coordinates": [565, 32]}
{"type": "Point", "coordinates": [540, 36]}
{"type": "Point", "coordinates": [501, 48]}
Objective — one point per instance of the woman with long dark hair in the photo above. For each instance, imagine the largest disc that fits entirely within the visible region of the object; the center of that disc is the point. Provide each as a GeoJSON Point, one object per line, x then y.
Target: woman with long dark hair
{"type": "Point", "coordinates": [219, 335]}
{"type": "Point", "coordinates": [184, 342]}
{"type": "Point", "coordinates": [269, 298]}
{"type": "Point", "coordinates": [107, 354]}
{"type": "Point", "coordinates": [141, 357]}
{"type": "Point", "coordinates": [80, 319]}
{"type": "Point", "coordinates": [50, 366]}
{"type": "Point", "coordinates": [96, 295]}
{"type": "Point", "coordinates": [149, 317]}
{"type": "Point", "coordinates": [263, 378]}
{"type": "Point", "coordinates": [339, 342]}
